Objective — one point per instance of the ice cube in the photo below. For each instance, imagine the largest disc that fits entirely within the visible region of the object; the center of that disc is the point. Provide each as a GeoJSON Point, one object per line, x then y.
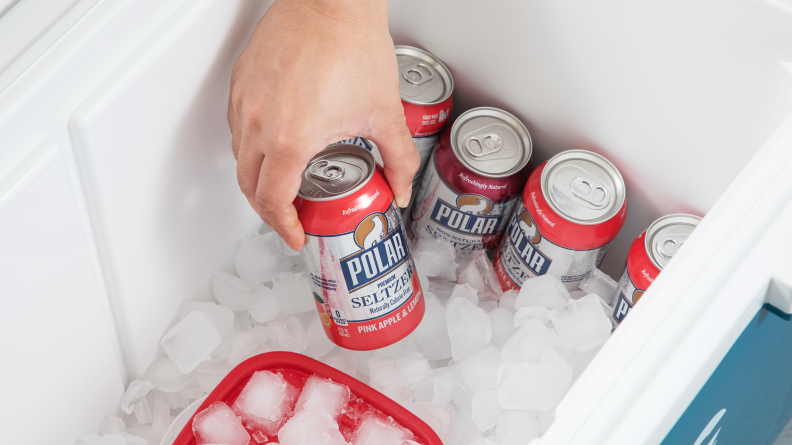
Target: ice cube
{"type": "Point", "coordinates": [311, 428]}
{"type": "Point", "coordinates": [534, 387]}
{"type": "Point", "coordinates": [262, 305]}
{"type": "Point", "coordinates": [416, 370]}
{"type": "Point", "coordinates": [249, 343]}
{"type": "Point", "coordinates": [439, 418]}
{"type": "Point", "coordinates": [376, 430]}
{"type": "Point", "coordinates": [191, 341]}
{"type": "Point", "coordinates": [293, 292]}
{"type": "Point", "coordinates": [546, 419]}
{"type": "Point", "coordinates": [259, 437]}
{"type": "Point", "coordinates": [540, 313]}
{"type": "Point", "coordinates": [478, 372]}
{"type": "Point", "coordinates": [401, 348]}
{"type": "Point", "coordinates": [483, 441]}
{"type": "Point", "coordinates": [464, 430]}
{"type": "Point", "coordinates": [529, 343]}
{"type": "Point", "coordinates": [111, 425]}
{"type": "Point", "coordinates": [442, 289]}
{"type": "Point", "coordinates": [217, 424]}
{"type": "Point", "coordinates": [502, 322]}
{"type": "Point", "coordinates": [288, 335]}
{"type": "Point", "coordinates": [362, 358]}
{"type": "Point", "coordinates": [341, 359]}
{"type": "Point", "coordinates": [444, 384]}
{"type": "Point", "coordinates": [578, 361]}
{"type": "Point", "coordinates": [577, 294]}
{"type": "Point", "coordinates": [431, 335]}
{"type": "Point", "coordinates": [544, 290]}
{"type": "Point", "coordinates": [385, 378]}
{"type": "Point", "coordinates": [485, 409]}
{"type": "Point", "coordinates": [265, 402]}
{"type": "Point", "coordinates": [209, 374]}
{"type": "Point", "coordinates": [107, 439]}
{"type": "Point", "coordinates": [242, 321]}
{"type": "Point", "coordinates": [516, 428]}
{"type": "Point", "coordinates": [136, 391]}
{"type": "Point", "coordinates": [318, 343]}
{"type": "Point", "coordinates": [222, 318]}
{"type": "Point", "coordinates": [464, 291]}
{"type": "Point", "coordinates": [480, 274]}
{"type": "Point", "coordinates": [435, 258]}
{"type": "Point", "coordinates": [601, 284]}
{"type": "Point", "coordinates": [232, 291]}
{"type": "Point", "coordinates": [582, 324]}
{"type": "Point", "coordinates": [508, 299]}
{"type": "Point", "coordinates": [143, 412]}
{"type": "Point", "coordinates": [468, 328]}
{"type": "Point", "coordinates": [320, 394]}
{"type": "Point", "coordinates": [138, 435]}
{"type": "Point", "coordinates": [260, 257]}
{"type": "Point", "coordinates": [161, 420]}
{"type": "Point", "coordinates": [423, 280]}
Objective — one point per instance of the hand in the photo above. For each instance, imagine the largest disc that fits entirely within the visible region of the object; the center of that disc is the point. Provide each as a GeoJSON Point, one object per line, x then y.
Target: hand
{"type": "Point", "coordinates": [315, 72]}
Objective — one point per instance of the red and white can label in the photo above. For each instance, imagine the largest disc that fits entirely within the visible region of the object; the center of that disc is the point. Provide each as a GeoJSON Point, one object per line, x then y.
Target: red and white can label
{"type": "Point", "coordinates": [471, 221]}
{"type": "Point", "coordinates": [524, 253]}
{"type": "Point", "coordinates": [639, 274]}
{"type": "Point", "coordinates": [365, 281]}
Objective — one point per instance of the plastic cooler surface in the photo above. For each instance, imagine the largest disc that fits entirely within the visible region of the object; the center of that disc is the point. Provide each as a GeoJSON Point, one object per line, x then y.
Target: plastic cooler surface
{"type": "Point", "coordinates": [296, 368]}
{"type": "Point", "coordinates": [747, 398]}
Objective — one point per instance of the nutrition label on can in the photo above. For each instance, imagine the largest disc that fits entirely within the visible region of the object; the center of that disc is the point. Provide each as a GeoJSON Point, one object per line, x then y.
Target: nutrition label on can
{"type": "Point", "coordinates": [525, 253]}
{"type": "Point", "coordinates": [470, 221]}
{"type": "Point", "coordinates": [364, 279]}
{"type": "Point", "coordinates": [424, 145]}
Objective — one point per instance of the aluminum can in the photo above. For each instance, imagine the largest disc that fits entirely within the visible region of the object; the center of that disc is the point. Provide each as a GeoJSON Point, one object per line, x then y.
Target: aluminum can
{"type": "Point", "coordinates": [648, 255]}
{"type": "Point", "coordinates": [356, 252]}
{"type": "Point", "coordinates": [572, 208]}
{"type": "Point", "coordinates": [425, 85]}
{"type": "Point", "coordinates": [473, 180]}
{"type": "Point", "coordinates": [363, 143]}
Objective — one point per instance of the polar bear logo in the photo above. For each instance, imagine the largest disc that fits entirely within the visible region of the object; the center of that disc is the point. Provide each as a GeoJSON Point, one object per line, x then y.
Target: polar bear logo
{"type": "Point", "coordinates": [528, 226]}
{"type": "Point", "coordinates": [371, 230]}
{"type": "Point", "coordinates": [477, 205]}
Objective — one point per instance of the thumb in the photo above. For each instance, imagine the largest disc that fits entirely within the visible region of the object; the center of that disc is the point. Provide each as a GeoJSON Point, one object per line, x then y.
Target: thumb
{"type": "Point", "coordinates": [399, 155]}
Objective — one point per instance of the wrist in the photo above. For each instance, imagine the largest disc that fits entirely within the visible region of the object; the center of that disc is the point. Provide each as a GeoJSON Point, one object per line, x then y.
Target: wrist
{"type": "Point", "coordinates": [356, 12]}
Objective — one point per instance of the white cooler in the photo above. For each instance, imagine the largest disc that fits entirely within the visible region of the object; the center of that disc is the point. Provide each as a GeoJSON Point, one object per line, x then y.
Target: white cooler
{"type": "Point", "coordinates": [118, 194]}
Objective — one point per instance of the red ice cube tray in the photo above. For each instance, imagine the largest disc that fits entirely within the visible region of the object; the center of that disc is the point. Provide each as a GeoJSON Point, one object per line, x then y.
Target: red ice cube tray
{"type": "Point", "coordinates": [296, 368]}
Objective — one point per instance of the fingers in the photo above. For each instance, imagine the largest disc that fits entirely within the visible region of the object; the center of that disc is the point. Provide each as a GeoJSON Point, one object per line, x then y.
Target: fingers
{"type": "Point", "coordinates": [398, 154]}
{"type": "Point", "coordinates": [278, 184]}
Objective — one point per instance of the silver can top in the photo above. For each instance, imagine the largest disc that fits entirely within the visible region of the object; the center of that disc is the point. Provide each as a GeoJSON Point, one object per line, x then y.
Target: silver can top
{"type": "Point", "coordinates": [666, 235]}
{"type": "Point", "coordinates": [583, 187]}
{"type": "Point", "coordinates": [423, 78]}
{"type": "Point", "coordinates": [491, 142]}
{"type": "Point", "coordinates": [335, 172]}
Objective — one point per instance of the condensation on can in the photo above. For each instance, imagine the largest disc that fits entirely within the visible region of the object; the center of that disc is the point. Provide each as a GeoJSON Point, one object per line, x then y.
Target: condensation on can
{"type": "Point", "coordinates": [473, 180]}
{"type": "Point", "coordinates": [572, 208]}
{"type": "Point", "coordinates": [425, 86]}
{"type": "Point", "coordinates": [648, 256]}
{"type": "Point", "coordinates": [356, 252]}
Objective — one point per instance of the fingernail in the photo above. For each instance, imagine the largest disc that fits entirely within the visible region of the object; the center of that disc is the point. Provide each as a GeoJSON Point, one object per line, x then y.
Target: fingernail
{"type": "Point", "coordinates": [405, 201]}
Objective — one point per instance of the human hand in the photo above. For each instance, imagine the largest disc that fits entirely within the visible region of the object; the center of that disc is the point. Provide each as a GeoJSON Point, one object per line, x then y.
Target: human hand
{"type": "Point", "coordinates": [313, 73]}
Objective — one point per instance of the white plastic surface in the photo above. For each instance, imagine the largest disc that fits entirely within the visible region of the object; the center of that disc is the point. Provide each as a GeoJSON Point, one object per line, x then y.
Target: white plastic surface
{"type": "Point", "coordinates": [135, 185]}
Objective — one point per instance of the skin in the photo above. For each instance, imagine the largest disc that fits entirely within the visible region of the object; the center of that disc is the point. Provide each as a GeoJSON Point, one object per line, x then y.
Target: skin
{"type": "Point", "coordinates": [313, 73]}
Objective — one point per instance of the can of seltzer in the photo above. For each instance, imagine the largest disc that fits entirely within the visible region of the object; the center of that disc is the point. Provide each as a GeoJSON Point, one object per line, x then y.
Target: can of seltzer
{"type": "Point", "coordinates": [473, 180]}
{"type": "Point", "coordinates": [648, 255]}
{"type": "Point", "coordinates": [571, 209]}
{"type": "Point", "coordinates": [356, 252]}
{"type": "Point", "coordinates": [425, 85]}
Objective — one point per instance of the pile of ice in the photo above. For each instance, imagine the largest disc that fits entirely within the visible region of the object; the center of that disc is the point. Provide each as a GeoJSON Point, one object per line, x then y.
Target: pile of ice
{"type": "Point", "coordinates": [483, 367]}
{"type": "Point", "coordinates": [277, 412]}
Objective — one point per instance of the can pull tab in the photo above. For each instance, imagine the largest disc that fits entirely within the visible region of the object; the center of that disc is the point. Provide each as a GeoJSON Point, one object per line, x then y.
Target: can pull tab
{"type": "Point", "coordinates": [326, 170]}
{"type": "Point", "coordinates": [483, 144]}
{"type": "Point", "coordinates": [668, 247]}
{"type": "Point", "coordinates": [591, 191]}
{"type": "Point", "coordinates": [418, 73]}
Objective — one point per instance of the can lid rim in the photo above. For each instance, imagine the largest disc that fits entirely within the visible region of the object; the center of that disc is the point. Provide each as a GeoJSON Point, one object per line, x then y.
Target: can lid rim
{"type": "Point", "coordinates": [345, 149]}
{"type": "Point", "coordinates": [527, 142]}
{"type": "Point", "coordinates": [589, 155]}
{"type": "Point", "coordinates": [663, 222]}
{"type": "Point", "coordinates": [428, 57]}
